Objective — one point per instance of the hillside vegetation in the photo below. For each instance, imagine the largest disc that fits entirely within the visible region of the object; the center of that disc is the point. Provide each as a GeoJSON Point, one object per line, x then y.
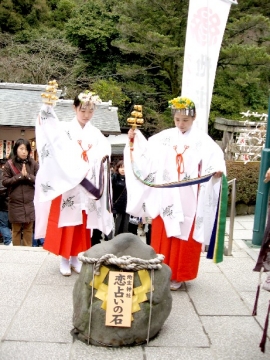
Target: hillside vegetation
{"type": "Point", "coordinates": [131, 51]}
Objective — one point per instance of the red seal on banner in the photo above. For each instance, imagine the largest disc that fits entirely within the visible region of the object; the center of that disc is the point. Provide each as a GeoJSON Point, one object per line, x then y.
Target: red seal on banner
{"type": "Point", "coordinates": [205, 26]}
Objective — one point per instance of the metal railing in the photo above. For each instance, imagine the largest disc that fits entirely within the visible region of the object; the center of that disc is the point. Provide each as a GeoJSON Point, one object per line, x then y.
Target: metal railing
{"type": "Point", "coordinates": [228, 249]}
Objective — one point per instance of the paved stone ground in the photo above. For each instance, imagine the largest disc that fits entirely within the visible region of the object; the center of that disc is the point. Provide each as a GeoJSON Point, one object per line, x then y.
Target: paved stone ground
{"type": "Point", "coordinates": [210, 319]}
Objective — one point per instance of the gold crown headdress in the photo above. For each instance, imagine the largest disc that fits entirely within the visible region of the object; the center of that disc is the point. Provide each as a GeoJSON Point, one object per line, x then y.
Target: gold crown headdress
{"type": "Point", "coordinates": [183, 105]}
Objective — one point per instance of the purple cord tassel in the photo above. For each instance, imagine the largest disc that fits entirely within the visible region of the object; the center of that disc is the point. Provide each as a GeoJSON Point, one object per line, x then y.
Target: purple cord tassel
{"type": "Point", "coordinates": [264, 337]}
{"type": "Point", "coordinates": [254, 312]}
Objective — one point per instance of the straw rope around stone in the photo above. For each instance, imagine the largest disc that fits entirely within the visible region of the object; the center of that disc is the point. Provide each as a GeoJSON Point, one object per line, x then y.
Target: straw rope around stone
{"type": "Point", "coordinates": [124, 262]}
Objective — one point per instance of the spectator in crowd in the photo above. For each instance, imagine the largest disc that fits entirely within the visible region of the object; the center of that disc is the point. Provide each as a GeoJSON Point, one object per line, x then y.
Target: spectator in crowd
{"type": "Point", "coordinates": [123, 221]}
{"type": "Point", "coordinates": [133, 224]}
{"type": "Point", "coordinates": [19, 176]}
{"type": "Point", "coordinates": [120, 199]}
{"type": "Point", "coordinates": [147, 221]}
{"type": "Point", "coordinates": [37, 242]}
{"type": "Point", "coordinates": [4, 223]}
{"type": "Point", "coordinates": [97, 236]}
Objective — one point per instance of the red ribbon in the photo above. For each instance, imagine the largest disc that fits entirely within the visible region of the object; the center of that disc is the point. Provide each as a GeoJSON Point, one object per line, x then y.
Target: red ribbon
{"type": "Point", "coordinates": [180, 161]}
{"type": "Point", "coordinates": [84, 152]}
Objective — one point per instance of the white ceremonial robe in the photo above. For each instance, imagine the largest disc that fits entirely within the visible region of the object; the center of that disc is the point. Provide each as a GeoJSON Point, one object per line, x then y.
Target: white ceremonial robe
{"type": "Point", "coordinates": [155, 161]}
{"type": "Point", "coordinates": [62, 168]}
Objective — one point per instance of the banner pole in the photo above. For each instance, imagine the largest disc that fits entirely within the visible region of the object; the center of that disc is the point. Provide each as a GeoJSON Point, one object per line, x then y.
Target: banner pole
{"type": "Point", "coordinates": [263, 190]}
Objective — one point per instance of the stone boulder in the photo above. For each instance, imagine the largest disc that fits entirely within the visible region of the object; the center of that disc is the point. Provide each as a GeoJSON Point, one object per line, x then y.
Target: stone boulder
{"type": "Point", "coordinates": [102, 335]}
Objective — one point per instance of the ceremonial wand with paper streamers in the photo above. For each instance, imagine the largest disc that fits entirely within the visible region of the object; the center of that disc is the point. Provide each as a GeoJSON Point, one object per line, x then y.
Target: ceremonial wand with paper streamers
{"type": "Point", "coordinates": [135, 121]}
{"type": "Point", "coordinates": [49, 97]}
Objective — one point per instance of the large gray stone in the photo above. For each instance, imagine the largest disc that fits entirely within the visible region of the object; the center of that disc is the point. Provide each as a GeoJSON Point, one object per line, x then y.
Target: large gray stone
{"type": "Point", "coordinates": [100, 334]}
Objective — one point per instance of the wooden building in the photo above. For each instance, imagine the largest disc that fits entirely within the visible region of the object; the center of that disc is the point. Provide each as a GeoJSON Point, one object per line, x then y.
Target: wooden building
{"type": "Point", "coordinates": [19, 108]}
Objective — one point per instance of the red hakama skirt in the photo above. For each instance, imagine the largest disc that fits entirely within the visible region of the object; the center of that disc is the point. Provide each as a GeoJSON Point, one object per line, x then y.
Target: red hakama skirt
{"type": "Point", "coordinates": [65, 241]}
{"type": "Point", "coordinates": [182, 256]}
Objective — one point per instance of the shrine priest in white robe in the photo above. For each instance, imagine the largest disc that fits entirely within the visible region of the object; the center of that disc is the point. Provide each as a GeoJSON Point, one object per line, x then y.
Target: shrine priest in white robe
{"type": "Point", "coordinates": [183, 216]}
{"type": "Point", "coordinates": [73, 183]}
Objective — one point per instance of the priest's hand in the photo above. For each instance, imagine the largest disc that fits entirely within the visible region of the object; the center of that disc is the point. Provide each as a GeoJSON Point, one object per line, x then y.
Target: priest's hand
{"type": "Point", "coordinates": [267, 176]}
{"type": "Point", "coordinates": [218, 174]}
{"type": "Point", "coordinates": [131, 134]}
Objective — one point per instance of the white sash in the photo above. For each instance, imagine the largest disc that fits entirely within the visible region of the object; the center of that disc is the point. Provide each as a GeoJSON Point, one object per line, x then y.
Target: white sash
{"type": "Point", "coordinates": [177, 206]}
{"type": "Point", "coordinates": [62, 168]}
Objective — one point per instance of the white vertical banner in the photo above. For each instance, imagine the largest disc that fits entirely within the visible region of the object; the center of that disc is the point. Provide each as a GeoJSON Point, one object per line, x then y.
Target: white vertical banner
{"type": "Point", "coordinates": [205, 28]}
{"type": "Point", "coordinates": [1, 149]}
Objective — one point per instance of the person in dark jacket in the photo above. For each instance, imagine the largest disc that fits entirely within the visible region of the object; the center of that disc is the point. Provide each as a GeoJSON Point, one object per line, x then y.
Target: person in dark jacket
{"type": "Point", "coordinates": [4, 225]}
{"type": "Point", "coordinates": [122, 219]}
{"type": "Point", "coordinates": [19, 176]}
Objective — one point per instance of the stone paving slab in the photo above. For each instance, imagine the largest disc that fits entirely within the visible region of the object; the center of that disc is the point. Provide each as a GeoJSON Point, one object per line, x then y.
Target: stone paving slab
{"type": "Point", "coordinates": [207, 266]}
{"type": "Point", "coordinates": [235, 337]}
{"type": "Point", "coordinates": [81, 351]}
{"type": "Point", "coordinates": [248, 225]}
{"type": "Point", "coordinates": [214, 295]}
{"type": "Point", "coordinates": [239, 254]}
{"type": "Point", "coordinates": [23, 256]}
{"type": "Point", "coordinates": [263, 302]}
{"type": "Point", "coordinates": [7, 312]}
{"type": "Point", "coordinates": [15, 280]}
{"type": "Point", "coordinates": [252, 251]}
{"type": "Point", "coordinates": [210, 319]}
{"type": "Point", "coordinates": [179, 353]}
{"type": "Point", "coordinates": [183, 326]}
{"type": "Point", "coordinates": [239, 273]}
{"type": "Point", "coordinates": [241, 234]}
{"type": "Point", "coordinates": [237, 226]}
{"type": "Point", "coordinates": [49, 273]}
{"type": "Point", "coordinates": [45, 316]}
{"type": "Point", "coordinates": [19, 350]}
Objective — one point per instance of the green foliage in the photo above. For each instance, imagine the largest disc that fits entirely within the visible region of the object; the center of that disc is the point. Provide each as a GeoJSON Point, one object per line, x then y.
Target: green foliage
{"type": "Point", "coordinates": [25, 36]}
{"type": "Point", "coordinates": [132, 52]}
{"type": "Point", "coordinates": [9, 20]}
{"type": "Point", "coordinates": [155, 32]}
{"type": "Point", "coordinates": [92, 28]}
{"type": "Point", "coordinates": [242, 78]}
{"type": "Point", "coordinates": [247, 177]}
{"type": "Point", "coordinates": [62, 12]}
{"type": "Point", "coordinates": [52, 4]}
{"type": "Point", "coordinates": [38, 59]}
{"type": "Point", "coordinates": [111, 90]}
{"type": "Point", "coordinates": [16, 15]}
{"type": "Point", "coordinates": [152, 36]}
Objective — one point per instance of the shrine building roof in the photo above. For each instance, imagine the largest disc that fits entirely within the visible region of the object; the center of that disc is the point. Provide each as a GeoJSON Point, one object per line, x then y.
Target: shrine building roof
{"type": "Point", "coordinates": [20, 105]}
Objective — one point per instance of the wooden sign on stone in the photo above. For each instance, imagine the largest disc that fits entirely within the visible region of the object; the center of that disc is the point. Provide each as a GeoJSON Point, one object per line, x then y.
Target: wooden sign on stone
{"type": "Point", "coordinates": [119, 300]}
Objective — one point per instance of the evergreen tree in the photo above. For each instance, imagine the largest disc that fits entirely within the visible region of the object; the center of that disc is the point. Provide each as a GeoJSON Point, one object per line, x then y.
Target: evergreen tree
{"type": "Point", "coordinates": [16, 15]}
{"type": "Point", "coordinates": [131, 51]}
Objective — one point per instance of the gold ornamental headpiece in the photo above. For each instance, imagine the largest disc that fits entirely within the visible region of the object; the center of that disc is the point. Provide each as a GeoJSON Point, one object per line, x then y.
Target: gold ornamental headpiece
{"type": "Point", "coordinates": [137, 117]}
{"type": "Point", "coordinates": [183, 105]}
{"type": "Point", "coordinates": [49, 97]}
